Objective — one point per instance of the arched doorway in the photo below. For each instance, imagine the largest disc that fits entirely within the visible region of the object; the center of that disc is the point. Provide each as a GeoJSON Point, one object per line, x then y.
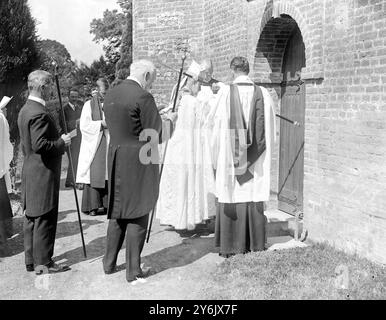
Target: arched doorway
{"type": "Point", "coordinates": [280, 58]}
{"type": "Point", "coordinates": [291, 154]}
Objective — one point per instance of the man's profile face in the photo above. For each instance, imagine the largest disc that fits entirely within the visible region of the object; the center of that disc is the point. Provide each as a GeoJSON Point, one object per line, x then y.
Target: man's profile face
{"type": "Point", "coordinates": [73, 97]}
{"type": "Point", "coordinates": [102, 89]}
{"type": "Point", "coordinates": [207, 74]}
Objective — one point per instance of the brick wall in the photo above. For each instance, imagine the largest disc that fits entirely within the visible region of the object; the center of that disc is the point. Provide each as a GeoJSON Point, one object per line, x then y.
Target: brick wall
{"type": "Point", "coordinates": [345, 41]}
{"type": "Point", "coordinates": [345, 185]}
{"type": "Point", "coordinates": [158, 27]}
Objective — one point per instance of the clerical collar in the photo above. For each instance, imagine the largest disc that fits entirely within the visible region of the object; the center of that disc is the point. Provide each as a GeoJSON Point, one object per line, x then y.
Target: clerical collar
{"type": "Point", "coordinates": [135, 80]}
{"type": "Point", "coordinates": [36, 99]}
{"type": "Point", "coordinates": [243, 78]}
{"type": "Point", "coordinates": [71, 105]}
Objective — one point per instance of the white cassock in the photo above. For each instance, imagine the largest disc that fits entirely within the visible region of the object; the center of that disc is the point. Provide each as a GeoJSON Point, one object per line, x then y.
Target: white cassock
{"type": "Point", "coordinates": [228, 189]}
{"type": "Point", "coordinates": [6, 151]}
{"type": "Point", "coordinates": [91, 138]}
{"type": "Point", "coordinates": [186, 188]}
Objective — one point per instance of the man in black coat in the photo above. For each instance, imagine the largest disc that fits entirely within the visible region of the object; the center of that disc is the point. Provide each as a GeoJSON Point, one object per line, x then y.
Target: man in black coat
{"type": "Point", "coordinates": [132, 117]}
{"type": "Point", "coordinates": [43, 149]}
{"type": "Point", "coordinates": [72, 112]}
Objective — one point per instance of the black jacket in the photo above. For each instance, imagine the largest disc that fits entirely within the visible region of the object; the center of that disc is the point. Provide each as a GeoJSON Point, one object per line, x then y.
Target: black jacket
{"type": "Point", "coordinates": [71, 117]}
{"type": "Point", "coordinates": [43, 149]}
{"type": "Point", "coordinates": [133, 184]}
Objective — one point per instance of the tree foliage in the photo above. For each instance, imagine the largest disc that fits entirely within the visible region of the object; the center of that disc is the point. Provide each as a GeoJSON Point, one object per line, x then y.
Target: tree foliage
{"type": "Point", "coordinates": [109, 30]}
{"type": "Point", "coordinates": [115, 31]}
{"type": "Point", "coordinates": [85, 76]}
{"type": "Point", "coordinates": [18, 52]}
{"type": "Point", "coordinates": [54, 53]}
{"type": "Point", "coordinates": [126, 49]}
{"type": "Point", "coordinates": [18, 56]}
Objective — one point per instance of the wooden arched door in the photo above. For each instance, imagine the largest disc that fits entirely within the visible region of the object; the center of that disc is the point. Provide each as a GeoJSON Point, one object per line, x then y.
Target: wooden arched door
{"type": "Point", "coordinates": [291, 167]}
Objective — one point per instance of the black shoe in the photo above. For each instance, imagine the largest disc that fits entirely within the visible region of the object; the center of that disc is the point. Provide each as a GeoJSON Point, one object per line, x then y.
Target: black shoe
{"type": "Point", "coordinates": [102, 211]}
{"type": "Point", "coordinates": [111, 271]}
{"type": "Point", "coordinates": [53, 268]}
{"type": "Point", "coordinates": [30, 268]}
{"type": "Point", "coordinates": [94, 213]}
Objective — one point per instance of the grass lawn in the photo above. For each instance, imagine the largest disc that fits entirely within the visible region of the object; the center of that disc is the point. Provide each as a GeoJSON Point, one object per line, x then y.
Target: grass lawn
{"type": "Point", "coordinates": [317, 272]}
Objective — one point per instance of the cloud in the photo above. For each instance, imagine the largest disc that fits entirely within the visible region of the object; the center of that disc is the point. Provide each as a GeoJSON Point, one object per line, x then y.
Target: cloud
{"type": "Point", "coordinates": [69, 23]}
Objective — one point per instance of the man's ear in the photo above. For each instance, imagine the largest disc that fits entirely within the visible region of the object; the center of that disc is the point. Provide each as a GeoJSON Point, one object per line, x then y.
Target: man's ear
{"type": "Point", "coordinates": [147, 76]}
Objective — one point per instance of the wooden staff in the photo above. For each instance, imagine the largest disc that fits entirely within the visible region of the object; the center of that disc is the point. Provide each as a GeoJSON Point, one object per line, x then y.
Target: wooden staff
{"type": "Point", "coordinates": [70, 159]}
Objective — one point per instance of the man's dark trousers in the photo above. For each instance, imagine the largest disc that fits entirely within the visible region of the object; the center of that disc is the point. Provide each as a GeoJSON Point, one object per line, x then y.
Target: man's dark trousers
{"type": "Point", "coordinates": [39, 238]}
{"type": "Point", "coordinates": [135, 231]}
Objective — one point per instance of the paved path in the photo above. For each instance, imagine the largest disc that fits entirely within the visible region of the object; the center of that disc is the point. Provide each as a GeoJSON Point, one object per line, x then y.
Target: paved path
{"type": "Point", "coordinates": [181, 264]}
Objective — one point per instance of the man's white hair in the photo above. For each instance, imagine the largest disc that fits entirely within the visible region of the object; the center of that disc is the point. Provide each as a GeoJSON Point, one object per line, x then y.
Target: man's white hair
{"type": "Point", "coordinates": [142, 66]}
{"type": "Point", "coordinates": [37, 79]}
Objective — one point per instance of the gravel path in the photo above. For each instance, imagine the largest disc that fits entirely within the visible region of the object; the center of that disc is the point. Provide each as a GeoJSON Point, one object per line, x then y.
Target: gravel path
{"type": "Point", "coordinates": [181, 263]}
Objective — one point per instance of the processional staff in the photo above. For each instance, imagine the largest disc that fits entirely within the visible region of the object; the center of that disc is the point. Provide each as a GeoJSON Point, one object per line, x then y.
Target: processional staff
{"type": "Point", "coordinates": [71, 165]}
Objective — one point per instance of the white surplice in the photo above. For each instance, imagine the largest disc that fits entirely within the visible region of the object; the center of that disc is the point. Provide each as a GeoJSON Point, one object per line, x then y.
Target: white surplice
{"type": "Point", "coordinates": [6, 151]}
{"type": "Point", "coordinates": [186, 198]}
{"type": "Point", "coordinates": [228, 189]}
{"type": "Point", "coordinates": [91, 138]}
{"type": "Point", "coordinates": [205, 180]}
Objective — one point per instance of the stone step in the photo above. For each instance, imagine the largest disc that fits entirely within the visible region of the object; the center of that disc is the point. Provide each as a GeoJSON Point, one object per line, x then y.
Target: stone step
{"type": "Point", "coordinates": [281, 224]}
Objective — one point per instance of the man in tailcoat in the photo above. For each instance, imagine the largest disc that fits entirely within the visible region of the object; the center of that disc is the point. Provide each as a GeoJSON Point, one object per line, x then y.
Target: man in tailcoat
{"type": "Point", "coordinates": [132, 116]}
{"type": "Point", "coordinates": [43, 148]}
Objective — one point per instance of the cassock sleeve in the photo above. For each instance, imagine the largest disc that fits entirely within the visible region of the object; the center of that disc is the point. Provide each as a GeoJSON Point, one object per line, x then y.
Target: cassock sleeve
{"type": "Point", "coordinates": [259, 129]}
{"type": "Point", "coordinates": [39, 128]}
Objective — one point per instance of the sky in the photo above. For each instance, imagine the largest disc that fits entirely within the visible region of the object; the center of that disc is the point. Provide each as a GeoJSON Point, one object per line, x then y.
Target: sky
{"type": "Point", "coordinates": [68, 21]}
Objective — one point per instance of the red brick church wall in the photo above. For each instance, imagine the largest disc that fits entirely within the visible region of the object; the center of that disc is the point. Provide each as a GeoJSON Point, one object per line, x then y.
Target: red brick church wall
{"type": "Point", "coordinates": [345, 41]}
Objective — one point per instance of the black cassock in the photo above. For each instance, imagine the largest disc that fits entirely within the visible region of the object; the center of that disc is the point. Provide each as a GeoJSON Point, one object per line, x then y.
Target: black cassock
{"type": "Point", "coordinates": [43, 149]}
{"type": "Point", "coordinates": [133, 185]}
{"type": "Point", "coordinates": [72, 116]}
